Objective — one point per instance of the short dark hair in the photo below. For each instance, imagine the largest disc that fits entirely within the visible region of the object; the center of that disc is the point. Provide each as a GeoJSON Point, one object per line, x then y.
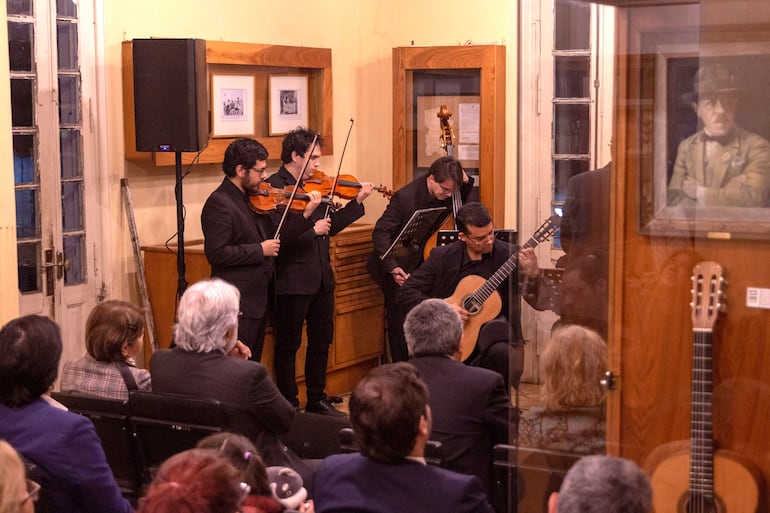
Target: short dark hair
{"type": "Point", "coordinates": [243, 151]}
{"type": "Point", "coordinates": [446, 167]}
{"type": "Point", "coordinates": [298, 140]}
{"type": "Point", "coordinates": [109, 325]}
{"type": "Point", "coordinates": [472, 214]}
{"type": "Point", "coordinates": [385, 411]}
{"type": "Point", "coordinates": [243, 455]}
{"type": "Point", "coordinates": [30, 350]}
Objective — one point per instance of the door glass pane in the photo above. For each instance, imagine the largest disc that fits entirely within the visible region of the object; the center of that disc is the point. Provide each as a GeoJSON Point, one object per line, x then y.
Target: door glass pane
{"type": "Point", "coordinates": [23, 159]}
{"type": "Point", "coordinates": [72, 202]}
{"type": "Point", "coordinates": [69, 105]}
{"type": "Point", "coordinates": [74, 270]}
{"type": "Point", "coordinates": [563, 170]}
{"type": "Point", "coordinates": [21, 102]}
{"type": "Point", "coordinates": [70, 153]}
{"type": "Point", "coordinates": [571, 129]}
{"type": "Point", "coordinates": [572, 25]}
{"type": "Point", "coordinates": [29, 265]}
{"type": "Point", "coordinates": [67, 44]}
{"type": "Point", "coordinates": [572, 77]}
{"type": "Point", "coordinates": [68, 8]}
{"type": "Point", "coordinates": [18, 6]}
{"type": "Point", "coordinates": [20, 48]}
{"type": "Point", "coordinates": [26, 213]}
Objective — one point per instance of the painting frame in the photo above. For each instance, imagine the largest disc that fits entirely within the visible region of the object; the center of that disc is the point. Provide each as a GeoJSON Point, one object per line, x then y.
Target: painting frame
{"type": "Point", "coordinates": [288, 101]}
{"type": "Point", "coordinates": [667, 68]}
{"type": "Point", "coordinates": [232, 105]}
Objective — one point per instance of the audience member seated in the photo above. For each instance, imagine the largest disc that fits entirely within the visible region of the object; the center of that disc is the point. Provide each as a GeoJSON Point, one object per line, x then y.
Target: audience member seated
{"type": "Point", "coordinates": [603, 484]}
{"type": "Point", "coordinates": [17, 494]}
{"type": "Point", "coordinates": [570, 416]}
{"type": "Point", "coordinates": [209, 362]}
{"type": "Point", "coordinates": [114, 337]}
{"type": "Point", "coordinates": [470, 405]}
{"type": "Point", "coordinates": [242, 454]}
{"type": "Point", "coordinates": [391, 424]}
{"type": "Point", "coordinates": [195, 481]}
{"type": "Point", "coordinates": [63, 445]}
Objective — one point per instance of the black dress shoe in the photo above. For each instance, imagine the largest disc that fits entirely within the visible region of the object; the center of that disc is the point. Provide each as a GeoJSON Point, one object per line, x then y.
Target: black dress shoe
{"type": "Point", "coordinates": [323, 407]}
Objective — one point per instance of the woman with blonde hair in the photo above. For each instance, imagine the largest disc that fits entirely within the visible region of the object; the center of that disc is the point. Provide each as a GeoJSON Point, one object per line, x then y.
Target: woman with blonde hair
{"type": "Point", "coordinates": [570, 416]}
{"type": "Point", "coordinates": [114, 338]}
{"type": "Point", "coordinates": [17, 494]}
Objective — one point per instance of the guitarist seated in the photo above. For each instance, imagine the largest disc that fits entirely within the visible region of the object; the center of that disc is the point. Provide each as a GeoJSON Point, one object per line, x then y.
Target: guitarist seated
{"type": "Point", "coordinates": [492, 333]}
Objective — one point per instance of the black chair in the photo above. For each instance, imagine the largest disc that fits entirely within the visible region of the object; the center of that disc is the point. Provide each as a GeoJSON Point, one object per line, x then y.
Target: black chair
{"type": "Point", "coordinates": [525, 478]}
{"type": "Point", "coordinates": [434, 451]}
{"type": "Point", "coordinates": [110, 418]}
{"type": "Point", "coordinates": [167, 424]}
{"type": "Point", "coordinates": [314, 436]}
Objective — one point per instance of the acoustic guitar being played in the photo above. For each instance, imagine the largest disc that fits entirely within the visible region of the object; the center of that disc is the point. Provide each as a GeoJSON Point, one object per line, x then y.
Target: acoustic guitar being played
{"type": "Point", "coordinates": [700, 480]}
{"type": "Point", "coordinates": [479, 296]}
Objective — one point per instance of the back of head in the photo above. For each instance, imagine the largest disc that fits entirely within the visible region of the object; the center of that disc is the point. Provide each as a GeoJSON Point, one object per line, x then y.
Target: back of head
{"type": "Point", "coordinates": [572, 366]}
{"type": "Point", "coordinates": [472, 214]}
{"type": "Point", "coordinates": [242, 454]}
{"type": "Point", "coordinates": [110, 325]}
{"type": "Point", "coordinates": [444, 168]}
{"type": "Point", "coordinates": [385, 410]}
{"type": "Point", "coordinates": [194, 481]}
{"type": "Point", "coordinates": [243, 151]}
{"type": "Point", "coordinates": [299, 141]}
{"type": "Point", "coordinates": [207, 317]}
{"type": "Point", "coordinates": [605, 484]}
{"type": "Point", "coordinates": [12, 482]}
{"type": "Point", "coordinates": [30, 349]}
{"type": "Point", "coordinates": [433, 328]}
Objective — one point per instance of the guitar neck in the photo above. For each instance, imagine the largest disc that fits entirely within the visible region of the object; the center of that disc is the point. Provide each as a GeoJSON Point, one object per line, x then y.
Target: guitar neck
{"type": "Point", "coordinates": [701, 432]}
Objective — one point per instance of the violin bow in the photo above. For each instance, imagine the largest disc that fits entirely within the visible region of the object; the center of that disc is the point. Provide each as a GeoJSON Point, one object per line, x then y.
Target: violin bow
{"type": "Point", "coordinates": [339, 168]}
{"type": "Point", "coordinates": [296, 186]}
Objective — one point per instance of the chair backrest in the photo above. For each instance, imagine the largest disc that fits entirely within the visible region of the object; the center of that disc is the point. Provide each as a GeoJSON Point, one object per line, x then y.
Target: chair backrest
{"type": "Point", "coordinates": [314, 436]}
{"type": "Point", "coordinates": [526, 477]}
{"type": "Point", "coordinates": [167, 424]}
{"type": "Point", "coordinates": [434, 450]}
{"type": "Point", "coordinates": [110, 418]}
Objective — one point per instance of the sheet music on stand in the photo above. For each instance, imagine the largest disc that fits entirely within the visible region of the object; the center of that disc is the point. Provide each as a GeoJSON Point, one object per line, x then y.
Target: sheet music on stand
{"type": "Point", "coordinates": [416, 229]}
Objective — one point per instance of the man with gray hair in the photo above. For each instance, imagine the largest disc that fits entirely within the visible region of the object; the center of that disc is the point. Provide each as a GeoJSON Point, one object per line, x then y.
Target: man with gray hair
{"type": "Point", "coordinates": [603, 484]}
{"type": "Point", "coordinates": [471, 406]}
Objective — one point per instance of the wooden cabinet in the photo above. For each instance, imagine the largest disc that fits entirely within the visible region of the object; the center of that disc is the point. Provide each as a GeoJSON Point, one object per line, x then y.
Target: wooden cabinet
{"type": "Point", "coordinates": [359, 319]}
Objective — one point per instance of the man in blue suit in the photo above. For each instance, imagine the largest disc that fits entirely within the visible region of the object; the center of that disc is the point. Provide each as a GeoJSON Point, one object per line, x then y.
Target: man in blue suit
{"type": "Point", "coordinates": [391, 423]}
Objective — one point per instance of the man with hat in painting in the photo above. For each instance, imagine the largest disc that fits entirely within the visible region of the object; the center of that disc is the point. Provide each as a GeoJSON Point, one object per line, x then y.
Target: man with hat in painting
{"type": "Point", "coordinates": [721, 165]}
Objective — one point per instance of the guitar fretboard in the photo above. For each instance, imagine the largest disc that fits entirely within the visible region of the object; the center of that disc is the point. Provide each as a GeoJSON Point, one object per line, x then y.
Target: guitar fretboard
{"type": "Point", "coordinates": [701, 433]}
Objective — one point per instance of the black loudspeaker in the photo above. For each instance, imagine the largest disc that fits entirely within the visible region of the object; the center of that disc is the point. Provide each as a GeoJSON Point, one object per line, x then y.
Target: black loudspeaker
{"type": "Point", "coordinates": [170, 94]}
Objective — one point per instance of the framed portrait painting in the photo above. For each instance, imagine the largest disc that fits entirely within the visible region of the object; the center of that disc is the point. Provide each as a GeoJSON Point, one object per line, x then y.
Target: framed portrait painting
{"type": "Point", "coordinates": [232, 105]}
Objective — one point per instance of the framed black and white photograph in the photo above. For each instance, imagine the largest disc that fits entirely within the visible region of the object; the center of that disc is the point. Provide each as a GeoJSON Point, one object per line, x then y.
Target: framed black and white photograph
{"type": "Point", "coordinates": [232, 105]}
{"type": "Point", "coordinates": [288, 103]}
{"type": "Point", "coordinates": [704, 155]}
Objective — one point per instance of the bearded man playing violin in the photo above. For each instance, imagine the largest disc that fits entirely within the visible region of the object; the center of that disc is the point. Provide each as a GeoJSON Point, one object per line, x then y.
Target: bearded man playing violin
{"type": "Point", "coordinates": [304, 283]}
{"type": "Point", "coordinates": [239, 243]}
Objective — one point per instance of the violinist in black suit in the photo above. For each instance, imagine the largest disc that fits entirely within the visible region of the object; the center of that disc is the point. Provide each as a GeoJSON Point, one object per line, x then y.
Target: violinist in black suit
{"type": "Point", "coordinates": [304, 283]}
{"type": "Point", "coordinates": [238, 242]}
{"type": "Point", "coordinates": [434, 190]}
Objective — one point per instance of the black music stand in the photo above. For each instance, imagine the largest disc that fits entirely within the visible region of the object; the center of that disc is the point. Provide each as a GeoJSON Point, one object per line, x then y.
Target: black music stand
{"type": "Point", "coordinates": [416, 230]}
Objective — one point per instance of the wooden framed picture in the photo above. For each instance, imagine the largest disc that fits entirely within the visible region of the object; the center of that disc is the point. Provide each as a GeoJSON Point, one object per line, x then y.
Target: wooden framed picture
{"type": "Point", "coordinates": [288, 103]}
{"type": "Point", "coordinates": [232, 105]}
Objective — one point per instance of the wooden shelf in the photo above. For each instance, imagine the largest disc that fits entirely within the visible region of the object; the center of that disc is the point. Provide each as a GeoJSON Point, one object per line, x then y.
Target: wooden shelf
{"type": "Point", "coordinates": [245, 58]}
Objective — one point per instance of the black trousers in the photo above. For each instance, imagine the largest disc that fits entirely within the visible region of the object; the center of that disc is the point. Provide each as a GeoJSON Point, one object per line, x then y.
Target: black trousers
{"type": "Point", "coordinates": [252, 333]}
{"type": "Point", "coordinates": [394, 319]}
{"type": "Point", "coordinates": [290, 313]}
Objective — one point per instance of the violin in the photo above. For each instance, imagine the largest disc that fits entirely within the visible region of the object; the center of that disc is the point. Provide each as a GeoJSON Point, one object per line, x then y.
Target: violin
{"type": "Point", "coordinates": [267, 199]}
{"type": "Point", "coordinates": [347, 185]}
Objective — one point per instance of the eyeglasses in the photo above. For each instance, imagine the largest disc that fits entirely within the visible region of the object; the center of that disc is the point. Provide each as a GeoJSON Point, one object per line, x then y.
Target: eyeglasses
{"type": "Point", "coordinates": [481, 239]}
{"type": "Point", "coordinates": [33, 492]}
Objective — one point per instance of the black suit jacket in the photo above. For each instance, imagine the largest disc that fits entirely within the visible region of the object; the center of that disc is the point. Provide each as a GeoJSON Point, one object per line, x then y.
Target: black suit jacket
{"type": "Point", "coordinates": [303, 264]}
{"type": "Point", "coordinates": [585, 225]}
{"type": "Point", "coordinates": [471, 411]}
{"type": "Point", "coordinates": [233, 233]}
{"type": "Point", "coordinates": [405, 201]}
{"type": "Point", "coordinates": [352, 483]}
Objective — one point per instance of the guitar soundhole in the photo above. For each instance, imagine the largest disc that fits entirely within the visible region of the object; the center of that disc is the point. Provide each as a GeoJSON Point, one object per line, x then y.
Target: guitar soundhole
{"type": "Point", "coordinates": [692, 502]}
{"type": "Point", "coordinates": [471, 305]}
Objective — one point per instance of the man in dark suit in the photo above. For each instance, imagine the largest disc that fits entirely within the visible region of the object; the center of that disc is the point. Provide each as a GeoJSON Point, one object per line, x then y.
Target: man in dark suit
{"type": "Point", "coordinates": [471, 407]}
{"type": "Point", "coordinates": [304, 283]}
{"type": "Point", "coordinates": [391, 424]}
{"type": "Point", "coordinates": [239, 243]}
{"type": "Point", "coordinates": [477, 252]}
{"type": "Point", "coordinates": [208, 362]}
{"type": "Point", "coordinates": [434, 190]}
